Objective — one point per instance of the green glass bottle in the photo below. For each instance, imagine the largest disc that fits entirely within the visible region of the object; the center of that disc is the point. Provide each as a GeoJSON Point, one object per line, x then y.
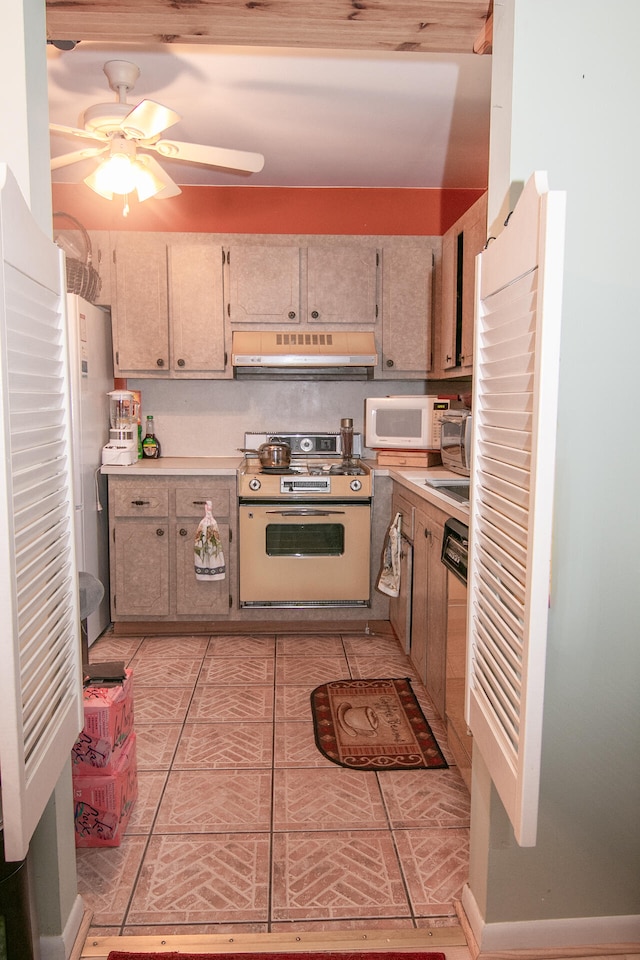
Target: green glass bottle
{"type": "Point", "coordinates": [150, 444]}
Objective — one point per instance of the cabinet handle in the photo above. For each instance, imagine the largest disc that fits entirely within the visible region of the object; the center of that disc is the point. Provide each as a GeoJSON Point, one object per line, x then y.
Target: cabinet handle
{"type": "Point", "coordinates": [198, 503]}
{"type": "Point", "coordinates": [427, 533]}
{"type": "Point", "coordinates": [140, 503]}
{"type": "Point", "coordinates": [181, 362]}
{"type": "Point", "coordinates": [160, 532]}
{"type": "Point", "coordinates": [292, 314]}
{"type": "Point", "coordinates": [389, 363]}
{"type": "Point", "coordinates": [160, 362]}
{"type": "Point", "coordinates": [314, 314]}
{"type": "Point", "coordinates": [183, 532]}
{"type": "Point", "coordinates": [448, 359]}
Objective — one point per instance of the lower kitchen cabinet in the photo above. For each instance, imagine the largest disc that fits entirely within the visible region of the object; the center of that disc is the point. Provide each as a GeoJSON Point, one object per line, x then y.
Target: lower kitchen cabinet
{"type": "Point", "coordinates": [153, 525]}
{"type": "Point", "coordinates": [423, 525]}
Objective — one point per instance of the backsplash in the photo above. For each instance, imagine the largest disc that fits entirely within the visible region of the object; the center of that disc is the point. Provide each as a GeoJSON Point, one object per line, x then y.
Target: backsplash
{"type": "Point", "coordinates": [208, 418]}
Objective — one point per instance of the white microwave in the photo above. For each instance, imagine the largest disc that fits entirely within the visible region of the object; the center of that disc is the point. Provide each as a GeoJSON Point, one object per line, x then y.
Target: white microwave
{"type": "Point", "coordinates": [404, 423]}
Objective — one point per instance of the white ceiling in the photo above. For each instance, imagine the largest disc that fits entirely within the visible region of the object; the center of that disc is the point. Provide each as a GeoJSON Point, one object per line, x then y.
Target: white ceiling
{"type": "Point", "coordinates": [321, 118]}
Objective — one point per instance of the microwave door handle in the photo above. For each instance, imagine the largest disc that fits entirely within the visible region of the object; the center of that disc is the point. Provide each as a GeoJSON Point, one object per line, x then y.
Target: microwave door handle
{"type": "Point", "coordinates": [306, 513]}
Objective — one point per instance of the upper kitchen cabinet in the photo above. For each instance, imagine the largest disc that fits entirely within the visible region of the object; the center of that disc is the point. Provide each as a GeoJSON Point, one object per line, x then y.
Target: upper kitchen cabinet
{"type": "Point", "coordinates": [303, 283]}
{"type": "Point", "coordinates": [262, 283]}
{"type": "Point", "coordinates": [460, 246]}
{"type": "Point", "coordinates": [407, 308]}
{"type": "Point", "coordinates": [167, 306]}
{"type": "Point", "coordinates": [342, 284]}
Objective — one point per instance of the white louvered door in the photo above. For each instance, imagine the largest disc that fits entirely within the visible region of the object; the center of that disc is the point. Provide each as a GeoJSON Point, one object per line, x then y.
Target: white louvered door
{"type": "Point", "coordinates": [518, 316]}
{"type": "Point", "coordinates": [40, 680]}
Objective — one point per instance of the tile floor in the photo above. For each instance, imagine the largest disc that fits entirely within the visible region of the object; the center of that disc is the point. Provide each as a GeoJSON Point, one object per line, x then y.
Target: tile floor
{"type": "Point", "coordinates": [241, 825]}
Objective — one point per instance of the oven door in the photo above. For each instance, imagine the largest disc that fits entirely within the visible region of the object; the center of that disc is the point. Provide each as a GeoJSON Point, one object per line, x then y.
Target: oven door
{"type": "Point", "coordinates": [311, 553]}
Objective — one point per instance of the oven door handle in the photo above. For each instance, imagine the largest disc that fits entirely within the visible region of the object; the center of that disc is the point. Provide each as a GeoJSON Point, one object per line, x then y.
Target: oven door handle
{"type": "Point", "coordinates": [306, 513]}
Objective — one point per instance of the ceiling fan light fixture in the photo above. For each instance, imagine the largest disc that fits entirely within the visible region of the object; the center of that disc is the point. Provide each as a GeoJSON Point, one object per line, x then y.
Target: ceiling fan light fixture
{"type": "Point", "coordinates": [122, 173]}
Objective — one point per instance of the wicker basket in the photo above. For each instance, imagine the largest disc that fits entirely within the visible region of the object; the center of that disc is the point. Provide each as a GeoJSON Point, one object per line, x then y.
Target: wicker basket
{"type": "Point", "coordinates": [82, 277]}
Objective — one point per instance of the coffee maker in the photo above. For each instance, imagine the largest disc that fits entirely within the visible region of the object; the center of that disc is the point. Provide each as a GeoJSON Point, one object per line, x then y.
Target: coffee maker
{"type": "Point", "coordinates": [122, 448]}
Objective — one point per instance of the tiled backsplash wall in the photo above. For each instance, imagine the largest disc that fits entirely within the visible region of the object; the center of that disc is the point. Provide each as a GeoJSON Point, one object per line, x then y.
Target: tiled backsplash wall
{"type": "Point", "coordinates": [208, 418]}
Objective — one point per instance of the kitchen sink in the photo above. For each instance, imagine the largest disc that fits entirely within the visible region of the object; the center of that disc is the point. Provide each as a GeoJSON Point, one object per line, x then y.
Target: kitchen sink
{"type": "Point", "coordinates": [456, 489]}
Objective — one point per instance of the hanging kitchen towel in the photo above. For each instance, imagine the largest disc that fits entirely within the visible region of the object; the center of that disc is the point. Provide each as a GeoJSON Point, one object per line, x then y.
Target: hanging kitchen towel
{"type": "Point", "coordinates": [389, 579]}
{"type": "Point", "coordinates": [207, 549]}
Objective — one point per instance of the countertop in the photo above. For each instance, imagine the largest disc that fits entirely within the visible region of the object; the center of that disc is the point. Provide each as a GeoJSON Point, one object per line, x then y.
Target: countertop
{"type": "Point", "coordinates": [413, 480]}
{"type": "Point", "coordinates": [176, 467]}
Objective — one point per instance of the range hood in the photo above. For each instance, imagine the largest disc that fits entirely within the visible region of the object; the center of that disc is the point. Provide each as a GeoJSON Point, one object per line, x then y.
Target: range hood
{"type": "Point", "coordinates": [323, 355]}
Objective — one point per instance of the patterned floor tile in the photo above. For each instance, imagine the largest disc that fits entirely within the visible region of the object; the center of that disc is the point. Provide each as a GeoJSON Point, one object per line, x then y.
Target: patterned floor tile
{"type": "Point", "coordinates": [237, 670]}
{"type": "Point", "coordinates": [151, 671]}
{"type": "Point", "coordinates": [327, 799]}
{"type": "Point", "coordinates": [106, 876]}
{"type": "Point", "coordinates": [196, 880]}
{"type": "Point", "coordinates": [161, 704]}
{"type": "Point", "coordinates": [174, 646]}
{"type": "Point", "coordinates": [426, 798]}
{"type": "Point", "coordinates": [242, 646]}
{"type": "Point", "coordinates": [224, 745]}
{"type": "Point", "coordinates": [372, 646]}
{"type": "Point", "coordinates": [335, 926]}
{"type": "Point", "coordinates": [193, 929]}
{"type": "Point", "coordinates": [156, 744]}
{"type": "Point", "coordinates": [315, 670]}
{"type": "Point", "coordinates": [307, 645]}
{"type": "Point", "coordinates": [374, 668]}
{"type": "Point", "coordinates": [326, 876]}
{"type": "Point", "coordinates": [114, 648]}
{"type": "Point", "coordinates": [150, 787]}
{"type": "Point", "coordinates": [215, 800]}
{"type": "Point", "coordinates": [295, 746]}
{"type": "Point", "coordinates": [232, 703]}
{"type": "Point", "coordinates": [435, 864]}
{"type": "Point", "coordinates": [293, 702]}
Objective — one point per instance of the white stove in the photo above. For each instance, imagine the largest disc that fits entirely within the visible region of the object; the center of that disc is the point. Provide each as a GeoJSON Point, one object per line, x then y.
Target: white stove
{"type": "Point", "coordinates": [316, 469]}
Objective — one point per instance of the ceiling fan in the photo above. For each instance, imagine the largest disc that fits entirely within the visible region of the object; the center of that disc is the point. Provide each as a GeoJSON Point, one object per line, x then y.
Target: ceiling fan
{"type": "Point", "coordinates": [124, 131]}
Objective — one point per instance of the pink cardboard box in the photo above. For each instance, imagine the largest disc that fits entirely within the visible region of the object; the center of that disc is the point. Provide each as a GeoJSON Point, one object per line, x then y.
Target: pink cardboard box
{"type": "Point", "coordinates": [103, 803]}
{"type": "Point", "coordinates": [108, 721]}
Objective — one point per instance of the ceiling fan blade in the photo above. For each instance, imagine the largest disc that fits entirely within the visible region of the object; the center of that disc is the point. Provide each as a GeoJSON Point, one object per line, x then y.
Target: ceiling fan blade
{"type": "Point", "coordinates": [68, 158]}
{"type": "Point", "coordinates": [76, 132]}
{"type": "Point", "coordinates": [148, 119]}
{"type": "Point", "coordinates": [170, 189]}
{"type": "Point", "coordinates": [211, 156]}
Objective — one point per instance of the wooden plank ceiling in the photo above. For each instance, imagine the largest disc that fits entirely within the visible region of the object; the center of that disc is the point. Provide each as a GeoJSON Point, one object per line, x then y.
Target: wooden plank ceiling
{"type": "Point", "coordinates": [424, 26]}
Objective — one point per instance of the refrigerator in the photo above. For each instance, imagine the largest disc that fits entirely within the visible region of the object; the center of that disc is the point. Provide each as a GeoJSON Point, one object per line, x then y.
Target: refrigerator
{"type": "Point", "coordinates": [91, 360]}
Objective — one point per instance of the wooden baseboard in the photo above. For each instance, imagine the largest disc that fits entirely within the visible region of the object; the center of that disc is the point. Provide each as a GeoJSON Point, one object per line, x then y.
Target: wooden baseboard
{"type": "Point", "coordinates": [137, 628]}
{"type": "Point", "coordinates": [630, 951]}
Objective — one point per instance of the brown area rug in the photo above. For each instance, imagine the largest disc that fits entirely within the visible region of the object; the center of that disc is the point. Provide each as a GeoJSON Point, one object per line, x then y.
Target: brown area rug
{"type": "Point", "coordinates": [321, 955]}
{"type": "Point", "coordinates": [373, 725]}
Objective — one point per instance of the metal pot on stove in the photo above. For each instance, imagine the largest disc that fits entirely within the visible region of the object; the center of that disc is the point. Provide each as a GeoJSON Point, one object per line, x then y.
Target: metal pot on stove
{"type": "Point", "coordinates": [272, 456]}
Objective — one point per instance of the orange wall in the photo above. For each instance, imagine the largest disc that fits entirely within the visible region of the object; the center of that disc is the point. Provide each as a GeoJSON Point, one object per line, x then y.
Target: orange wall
{"type": "Point", "coordinates": [263, 210]}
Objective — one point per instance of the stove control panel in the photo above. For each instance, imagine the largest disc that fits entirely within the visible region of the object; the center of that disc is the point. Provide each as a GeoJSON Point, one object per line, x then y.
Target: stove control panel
{"type": "Point", "coordinates": [305, 444]}
{"type": "Point", "coordinates": [313, 484]}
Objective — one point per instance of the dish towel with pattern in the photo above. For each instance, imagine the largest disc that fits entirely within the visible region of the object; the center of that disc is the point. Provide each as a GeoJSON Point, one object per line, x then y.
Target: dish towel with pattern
{"type": "Point", "coordinates": [389, 579]}
{"type": "Point", "coordinates": [207, 549]}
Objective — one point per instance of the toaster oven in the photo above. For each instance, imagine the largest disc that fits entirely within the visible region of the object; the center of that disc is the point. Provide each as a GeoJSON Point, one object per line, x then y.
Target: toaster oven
{"type": "Point", "coordinates": [455, 441]}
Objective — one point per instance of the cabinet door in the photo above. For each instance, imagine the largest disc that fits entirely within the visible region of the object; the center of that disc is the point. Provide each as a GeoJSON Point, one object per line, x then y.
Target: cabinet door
{"type": "Point", "coordinates": [418, 648]}
{"type": "Point", "coordinates": [406, 318]}
{"type": "Point", "coordinates": [429, 610]}
{"type": "Point", "coordinates": [140, 568]}
{"type": "Point", "coordinates": [196, 319]}
{"type": "Point", "coordinates": [140, 309]}
{"type": "Point", "coordinates": [263, 284]}
{"type": "Point", "coordinates": [197, 597]}
{"type": "Point", "coordinates": [342, 284]}
{"type": "Point", "coordinates": [460, 246]}
{"type": "Point", "coordinates": [449, 302]}
{"type": "Point", "coordinates": [436, 650]}
{"type": "Point", "coordinates": [475, 233]}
